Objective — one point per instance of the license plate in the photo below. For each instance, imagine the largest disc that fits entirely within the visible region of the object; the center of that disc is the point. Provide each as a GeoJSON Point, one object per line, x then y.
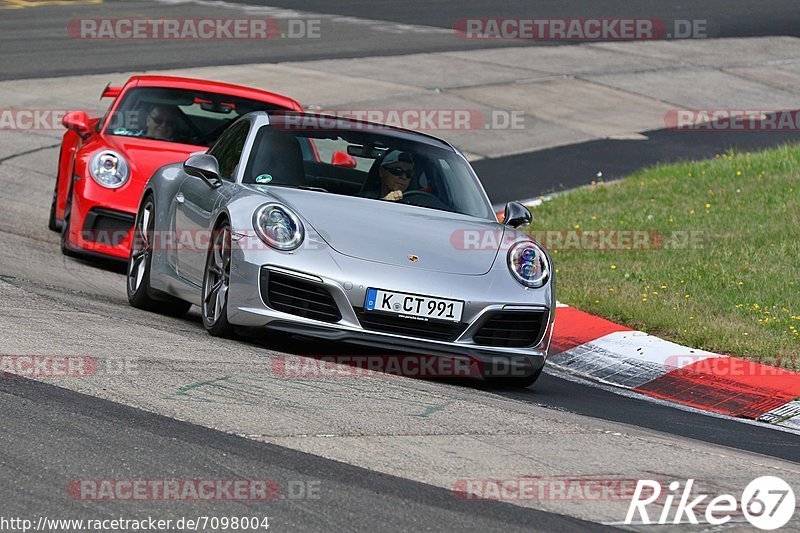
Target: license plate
{"type": "Point", "coordinates": [413, 306]}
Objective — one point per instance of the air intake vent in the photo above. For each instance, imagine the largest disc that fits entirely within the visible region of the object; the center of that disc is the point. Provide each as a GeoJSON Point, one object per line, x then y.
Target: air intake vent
{"type": "Point", "coordinates": [105, 226]}
{"type": "Point", "coordinates": [296, 296]}
{"type": "Point", "coordinates": [512, 329]}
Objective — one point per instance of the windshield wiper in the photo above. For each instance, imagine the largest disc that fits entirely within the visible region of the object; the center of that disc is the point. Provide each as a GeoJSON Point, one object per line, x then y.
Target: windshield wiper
{"type": "Point", "coordinates": [310, 188]}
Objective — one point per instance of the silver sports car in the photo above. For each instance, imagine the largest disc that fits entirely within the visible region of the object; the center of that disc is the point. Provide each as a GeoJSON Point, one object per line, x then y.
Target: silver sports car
{"type": "Point", "coordinates": [392, 244]}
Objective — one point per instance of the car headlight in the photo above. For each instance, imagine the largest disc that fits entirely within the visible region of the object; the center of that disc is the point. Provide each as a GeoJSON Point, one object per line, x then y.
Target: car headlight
{"type": "Point", "coordinates": [528, 264]}
{"type": "Point", "coordinates": [278, 226]}
{"type": "Point", "coordinates": [109, 169]}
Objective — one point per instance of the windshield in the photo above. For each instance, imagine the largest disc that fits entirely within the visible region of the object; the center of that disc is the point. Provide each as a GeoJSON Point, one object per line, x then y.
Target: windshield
{"type": "Point", "coordinates": [366, 164]}
{"type": "Point", "coordinates": [178, 115]}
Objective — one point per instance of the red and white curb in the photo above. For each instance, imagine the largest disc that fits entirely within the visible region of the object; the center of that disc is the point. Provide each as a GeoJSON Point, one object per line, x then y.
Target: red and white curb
{"type": "Point", "coordinates": [598, 349]}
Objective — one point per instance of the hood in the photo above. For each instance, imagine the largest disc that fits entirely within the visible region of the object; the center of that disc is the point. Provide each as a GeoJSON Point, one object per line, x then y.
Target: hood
{"type": "Point", "coordinates": [389, 233]}
{"type": "Point", "coordinates": [145, 156]}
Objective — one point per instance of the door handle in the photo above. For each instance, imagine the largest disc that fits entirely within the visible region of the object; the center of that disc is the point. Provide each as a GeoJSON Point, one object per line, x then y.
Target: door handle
{"type": "Point", "coordinates": [180, 198]}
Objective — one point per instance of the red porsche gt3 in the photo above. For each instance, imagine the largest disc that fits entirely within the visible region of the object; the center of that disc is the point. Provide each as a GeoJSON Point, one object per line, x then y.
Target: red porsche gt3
{"type": "Point", "coordinates": [105, 162]}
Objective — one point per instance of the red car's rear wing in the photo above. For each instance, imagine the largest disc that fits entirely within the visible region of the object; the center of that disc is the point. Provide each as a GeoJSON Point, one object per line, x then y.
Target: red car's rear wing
{"type": "Point", "coordinates": [204, 85]}
{"type": "Point", "coordinates": [111, 92]}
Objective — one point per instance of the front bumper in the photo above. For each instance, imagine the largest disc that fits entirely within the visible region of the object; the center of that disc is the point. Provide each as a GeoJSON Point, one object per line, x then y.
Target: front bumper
{"type": "Point", "coordinates": [101, 220]}
{"type": "Point", "coordinates": [347, 279]}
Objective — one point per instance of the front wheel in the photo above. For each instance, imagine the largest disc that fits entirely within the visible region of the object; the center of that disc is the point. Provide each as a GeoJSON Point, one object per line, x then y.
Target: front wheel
{"type": "Point", "coordinates": [216, 282]}
{"type": "Point", "coordinates": [65, 228]}
{"type": "Point", "coordinates": [52, 223]}
{"type": "Point", "coordinates": [139, 291]}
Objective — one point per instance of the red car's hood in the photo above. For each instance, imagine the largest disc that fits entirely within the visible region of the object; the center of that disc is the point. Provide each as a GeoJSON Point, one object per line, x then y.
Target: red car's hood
{"type": "Point", "coordinates": [145, 156]}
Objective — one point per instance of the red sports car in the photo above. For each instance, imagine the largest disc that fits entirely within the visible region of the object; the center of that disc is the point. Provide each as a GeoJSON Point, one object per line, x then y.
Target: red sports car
{"type": "Point", "coordinates": [105, 162]}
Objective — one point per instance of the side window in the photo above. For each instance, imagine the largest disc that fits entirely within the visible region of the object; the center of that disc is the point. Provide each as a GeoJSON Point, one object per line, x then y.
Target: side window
{"type": "Point", "coordinates": [228, 149]}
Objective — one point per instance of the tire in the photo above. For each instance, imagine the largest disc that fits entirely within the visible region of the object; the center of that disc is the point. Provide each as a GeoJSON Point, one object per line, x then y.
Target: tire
{"type": "Point", "coordinates": [65, 225]}
{"type": "Point", "coordinates": [52, 223]}
{"type": "Point", "coordinates": [216, 280]}
{"type": "Point", "coordinates": [516, 382]}
{"type": "Point", "coordinates": [137, 278]}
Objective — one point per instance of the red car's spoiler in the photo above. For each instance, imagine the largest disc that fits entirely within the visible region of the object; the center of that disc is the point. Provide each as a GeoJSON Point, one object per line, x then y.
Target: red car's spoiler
{"type": "Point", "coordinates": [111, 92]}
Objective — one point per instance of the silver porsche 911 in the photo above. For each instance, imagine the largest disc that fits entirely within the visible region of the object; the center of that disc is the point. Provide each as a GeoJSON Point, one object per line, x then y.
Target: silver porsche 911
{"type": "Point", "coordinates": [345, 230]}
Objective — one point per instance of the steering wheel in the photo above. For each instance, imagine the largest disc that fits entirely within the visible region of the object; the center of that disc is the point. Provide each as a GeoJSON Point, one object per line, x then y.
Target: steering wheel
{"type": "Point", "coordinates": [427, 199]}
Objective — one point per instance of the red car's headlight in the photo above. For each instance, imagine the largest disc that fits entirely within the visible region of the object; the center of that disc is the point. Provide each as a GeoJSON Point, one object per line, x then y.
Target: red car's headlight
{"type": "Point", "coordinates": [109, 169]}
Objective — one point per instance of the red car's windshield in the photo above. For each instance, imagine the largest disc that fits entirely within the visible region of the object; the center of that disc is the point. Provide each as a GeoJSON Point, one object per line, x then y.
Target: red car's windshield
{"type": "Point", "coordinates": [179, 115]}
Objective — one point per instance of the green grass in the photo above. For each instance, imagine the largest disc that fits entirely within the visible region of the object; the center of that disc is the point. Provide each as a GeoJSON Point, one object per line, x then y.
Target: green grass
{"type": "Point", "coordinates": [726, 277]}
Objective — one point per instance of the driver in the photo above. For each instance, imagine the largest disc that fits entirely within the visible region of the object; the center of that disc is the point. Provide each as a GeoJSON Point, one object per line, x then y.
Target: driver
{"type": "Point", "coordinates": [395, 173]}
{"type": "Point", "coordinates": [162, 121]}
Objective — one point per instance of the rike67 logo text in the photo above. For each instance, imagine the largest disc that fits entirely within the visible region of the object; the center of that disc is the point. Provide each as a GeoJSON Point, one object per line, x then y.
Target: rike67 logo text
{"type": "Point", "coordinates": [767, 502]}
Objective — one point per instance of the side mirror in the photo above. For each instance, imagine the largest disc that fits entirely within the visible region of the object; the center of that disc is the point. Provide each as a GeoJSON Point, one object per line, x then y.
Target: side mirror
{"type": "Point", "coordinates": [77, 121]}
{"type": "Point", "coordinates": [516, 215]}
{"type": "Point", "coordinates": [343, 159]}
{"type": "Point", "coordinates": [205, 167]}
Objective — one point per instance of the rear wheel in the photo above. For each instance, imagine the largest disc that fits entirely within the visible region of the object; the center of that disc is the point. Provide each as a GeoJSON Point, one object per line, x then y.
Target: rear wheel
{"type": "Point", "coordinates": [140, 294]}
{"type": "Point", "coordinates": [216, 282]}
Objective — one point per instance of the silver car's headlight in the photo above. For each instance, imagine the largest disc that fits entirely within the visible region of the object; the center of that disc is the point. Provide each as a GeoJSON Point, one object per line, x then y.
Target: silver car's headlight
{"type": "Point", "coordinates": [528, 264]}
{"type": "Point", "coordinates": [109, 169]}
{"type": "Point", "coordinates": [278, 226]}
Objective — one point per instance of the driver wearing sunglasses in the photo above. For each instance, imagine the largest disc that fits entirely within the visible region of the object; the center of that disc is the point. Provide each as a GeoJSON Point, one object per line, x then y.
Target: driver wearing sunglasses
{"type": "Point", "coordinates": [162, 120]}
{"type": "Point", "coordinates": [396, 172]}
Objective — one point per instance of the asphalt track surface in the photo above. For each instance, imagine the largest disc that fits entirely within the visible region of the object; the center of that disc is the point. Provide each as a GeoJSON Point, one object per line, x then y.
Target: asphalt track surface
{"type": "Point", "coordinates": [35, 41]}
{"type": "Point", "coordinates": [80, 433]}
{"type": "Point", "coordinates": [524, 176]}
{"type": "Point", "coordinates": [725, 19]}
{"type": "Point", "coordinates": [51, 435]}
